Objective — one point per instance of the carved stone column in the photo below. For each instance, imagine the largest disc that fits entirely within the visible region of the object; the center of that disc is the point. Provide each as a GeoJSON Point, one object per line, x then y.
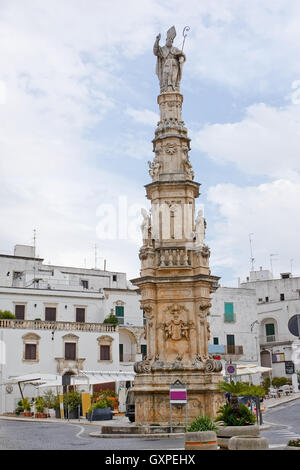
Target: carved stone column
{"type": "Point", "coordinates": [175, 281]}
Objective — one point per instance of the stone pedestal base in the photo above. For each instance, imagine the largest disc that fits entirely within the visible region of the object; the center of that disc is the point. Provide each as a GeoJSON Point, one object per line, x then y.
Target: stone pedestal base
{"type": "Point", "coordinates": [152, 396]}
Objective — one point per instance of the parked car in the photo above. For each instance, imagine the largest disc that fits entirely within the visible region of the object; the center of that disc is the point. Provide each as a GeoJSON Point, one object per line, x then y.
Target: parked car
{"type": "Point", "coordinates": [130, 406]}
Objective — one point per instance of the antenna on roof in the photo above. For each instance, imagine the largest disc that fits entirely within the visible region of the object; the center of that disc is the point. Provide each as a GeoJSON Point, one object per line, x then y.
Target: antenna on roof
{"type": "Point", "coordinates": [272, 255]}
{"type": "Point", "coordinates": [251, 252]}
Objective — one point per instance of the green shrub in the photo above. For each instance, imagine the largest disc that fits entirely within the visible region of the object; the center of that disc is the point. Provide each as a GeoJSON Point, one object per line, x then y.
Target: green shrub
{"type": "Point", "coordinates": [202, 423]}
{"type": "Point", "coordinates": [72, 400]}
{"type": "Point", "coordinates": [6, 314]}
{"type": "Point", "coordinates": [39, 404]}
{"type": "Point", "coordinates": [230, 417]}
{"type": "Point", "coordinates": [294, 443]}
{"type": "Point", "coordinates": [49, 398]}
{"type": "Point", "coordinates": [19, 409]}
{"type": "Point", "coordinates": [26, 404]}
{"type": "Point", "coordinates": [111, 318]}
{"type": "Point", "coordinates": [279, 381]}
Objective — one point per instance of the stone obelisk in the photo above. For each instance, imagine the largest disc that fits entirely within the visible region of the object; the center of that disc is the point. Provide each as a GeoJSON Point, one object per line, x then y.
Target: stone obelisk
{"type": "Point", "coordinates": [175, 280]}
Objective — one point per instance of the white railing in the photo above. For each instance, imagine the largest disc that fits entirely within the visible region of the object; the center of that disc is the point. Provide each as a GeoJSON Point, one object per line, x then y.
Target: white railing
{"type": "Point", "coordinates": [57, 325]}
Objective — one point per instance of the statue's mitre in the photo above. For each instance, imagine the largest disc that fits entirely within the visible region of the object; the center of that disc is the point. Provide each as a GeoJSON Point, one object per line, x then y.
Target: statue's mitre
{"type": "Point", "coordinates": [171, 33]}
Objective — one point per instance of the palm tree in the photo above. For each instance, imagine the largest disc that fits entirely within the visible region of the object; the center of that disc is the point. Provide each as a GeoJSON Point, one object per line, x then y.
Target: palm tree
{"type": "Point", "coordinates": [235, 390]}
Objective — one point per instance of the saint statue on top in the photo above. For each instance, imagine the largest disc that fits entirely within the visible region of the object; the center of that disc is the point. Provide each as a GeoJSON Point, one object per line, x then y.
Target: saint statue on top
{"type": "Point", "coordinates": [169, 64]}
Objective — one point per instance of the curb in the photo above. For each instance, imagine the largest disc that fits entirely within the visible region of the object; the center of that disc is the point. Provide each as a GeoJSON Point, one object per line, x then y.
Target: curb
{"type": "Point", "coordinates": [282, 402]}
{"type": "Point", "coordinates": [46, 420]}
{"type": "Point", "coordinates": [135, 436]}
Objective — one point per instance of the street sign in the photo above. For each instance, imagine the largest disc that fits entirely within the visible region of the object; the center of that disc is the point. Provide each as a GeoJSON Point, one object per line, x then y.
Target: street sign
{"type": "Point", "coordinates": [230, 369]}
{"type": "Point", "coordinates": [178, 393]}
{"type": "Point", "coordinates": [294, 325]}
{"type": "Point", "coordinates": [289, 367]}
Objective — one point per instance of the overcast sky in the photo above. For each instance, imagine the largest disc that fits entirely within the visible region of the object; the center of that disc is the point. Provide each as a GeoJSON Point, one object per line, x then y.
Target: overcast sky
{"type": "Point", "coordinates": [78, 108]}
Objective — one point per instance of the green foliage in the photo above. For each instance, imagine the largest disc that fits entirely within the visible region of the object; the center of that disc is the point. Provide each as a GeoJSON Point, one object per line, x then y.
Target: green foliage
{"type": "Point", "coordinates": [279, 381]}
{"type": "Point", "coordinates": [294, 443]}
{"type": "Point", "coordinates": [26, 404]}
{"type": "Point", "coordinates": [56, 403]}
{"type": "Point", "coordinates": [72, 400]}
{"type": "Point", "coordinates": [49, 398]}
{"type": "Point", "coordinates": [6, 314]}
{"type": "Point", "coordinates": [19, 409]}
{"type": "Point", "coordinates": [256, 391]}
{"type": "Point", "coordinates": [236, 389]}
{"type": "Point", "coordinates": [266, 385]}
{"type": "Point", "coordinates": [228, 417]}
{"type": "Point", "coordinates": [39, 404]}
{"type": "Point", "coordinates": [111, 318]}
{"type": "Point", "coordinates": [202, 423]}
{"type": "Point", "coordinates": [103, 403]}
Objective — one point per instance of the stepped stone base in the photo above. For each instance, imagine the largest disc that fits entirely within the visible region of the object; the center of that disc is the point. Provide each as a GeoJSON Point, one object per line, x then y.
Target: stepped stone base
{"type": "Point", "coordinates": [152, 397]}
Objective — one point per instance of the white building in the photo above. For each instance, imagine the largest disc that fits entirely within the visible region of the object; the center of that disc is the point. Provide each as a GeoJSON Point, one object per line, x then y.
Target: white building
{"type": "Point", "coordinates": [277, 300]}
{"type": "Point", "coordinates": [233, 319]}
{"type": "Point", "coordinates": [59, 325]}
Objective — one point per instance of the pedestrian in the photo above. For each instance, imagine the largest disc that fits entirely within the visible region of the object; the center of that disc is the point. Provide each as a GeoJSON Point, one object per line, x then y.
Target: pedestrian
{"type": "Point", "coordinates": [227, 398]}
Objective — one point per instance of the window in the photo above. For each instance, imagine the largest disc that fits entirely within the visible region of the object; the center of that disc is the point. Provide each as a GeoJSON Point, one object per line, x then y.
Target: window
{"type": "Point", "coordinates": [114, 278]}
{"type": "Point", "coordinates": [121, 351]}
{"type": "Point", "coordinates": [119, 310]}
{"type": "Point", "coordinates": [215, 340]}
{"type": "Point", "coordinates": [267, 299]}
{"type": "Point", "coordinates": [80, 315]}
{"type": "Point", "coordinates": [281, 296]}
{"type": "Point", "coordinates": [31, 347]}
{"type": "Point", "coordinates": [50, 314]}
{"type": "Point", "coordinates": [144, 350]}
{"type": "Point", "coordinates": [230, 344]}
{"type": "Point", "coordinates": [70, 351]}
{"type": "Point", "coordinates": [84, 283]}
{"type": "Point", "coordinates": [144, 318]}
{"type": "Point", "coordinates": [30, 352]}
{"type": "Point", "coordinates": [20, 312]}
{"type": "Point", "coordinates": [104, 352]}
{"type": "Point", "coordinates": [105, 347]}
{"type": "Point", "coordinates": [270, 331]}
{"type": "Point", "coordinates": [229, 314]}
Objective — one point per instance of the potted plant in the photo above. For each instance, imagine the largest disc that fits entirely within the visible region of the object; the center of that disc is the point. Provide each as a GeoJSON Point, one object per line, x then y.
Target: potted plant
{"type": "Point", "coordinates": [201, 434]}
{"type": "Point", "coordinates": [109, 395]}
{"type": "Point", "coordinates": [26, 405]}
{"type": "Point", "coordinates": [72, 403]}
{"type": "Point", "coordinates": [49, 398]}
{"type": "Point", "coordinates": [19, 409]}
{"type": "Point", "coordinates": [234, 418]}
{"type": "Point", "coordinates": [40, 407]}
{"type": "Point", "coordinates": [293, 444]}
{"type": "Point", "coordinates": [99, 411]}
{"type": "Point", "coordinates": [56, 406]}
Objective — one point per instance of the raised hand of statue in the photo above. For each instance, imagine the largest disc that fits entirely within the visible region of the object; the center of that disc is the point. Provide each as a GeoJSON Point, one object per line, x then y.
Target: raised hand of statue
{"type": "Point", "coordinates": [158, 37]}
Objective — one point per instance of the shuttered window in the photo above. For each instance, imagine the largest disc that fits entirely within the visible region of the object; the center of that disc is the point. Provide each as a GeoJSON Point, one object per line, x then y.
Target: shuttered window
{"type": "Point", "coordinates": [80, 315]}
{"type": "Point", "coordinates": [20, 312]}
{"type": "Point", "coordinates": [50, 313]}
{"type": "Point", "coordinates": [70, 351]}
{"type": "Point", "coordinates": [228, 312]}
{"type": "Point", "coordinates": [30, 352]}
{"type": "Point", "coordinates": [120, 314]}
{"type": "Point", "coordinates": [104, 352]}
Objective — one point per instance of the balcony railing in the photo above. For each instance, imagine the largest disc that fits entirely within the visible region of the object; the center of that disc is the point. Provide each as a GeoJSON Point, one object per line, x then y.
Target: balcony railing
{"type": "Point", "coordinates": [57, 325]}
{"type": "Point", "coordinates": [128, 358]}
{"type": "Point", "coordinates": [222, 349]}
{"type": "Point", "coordinates": [237, 350]}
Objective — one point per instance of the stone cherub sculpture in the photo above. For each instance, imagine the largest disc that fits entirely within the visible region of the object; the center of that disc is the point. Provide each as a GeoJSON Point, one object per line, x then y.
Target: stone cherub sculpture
{"type": "Point", "coordinates": [170, 62]}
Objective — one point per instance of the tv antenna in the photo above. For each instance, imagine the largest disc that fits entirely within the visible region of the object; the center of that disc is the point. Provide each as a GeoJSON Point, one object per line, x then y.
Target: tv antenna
{"type": "Point", "coordinates": [272, 255]}
{"type": "Point", "coordinates": [251, 252]}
